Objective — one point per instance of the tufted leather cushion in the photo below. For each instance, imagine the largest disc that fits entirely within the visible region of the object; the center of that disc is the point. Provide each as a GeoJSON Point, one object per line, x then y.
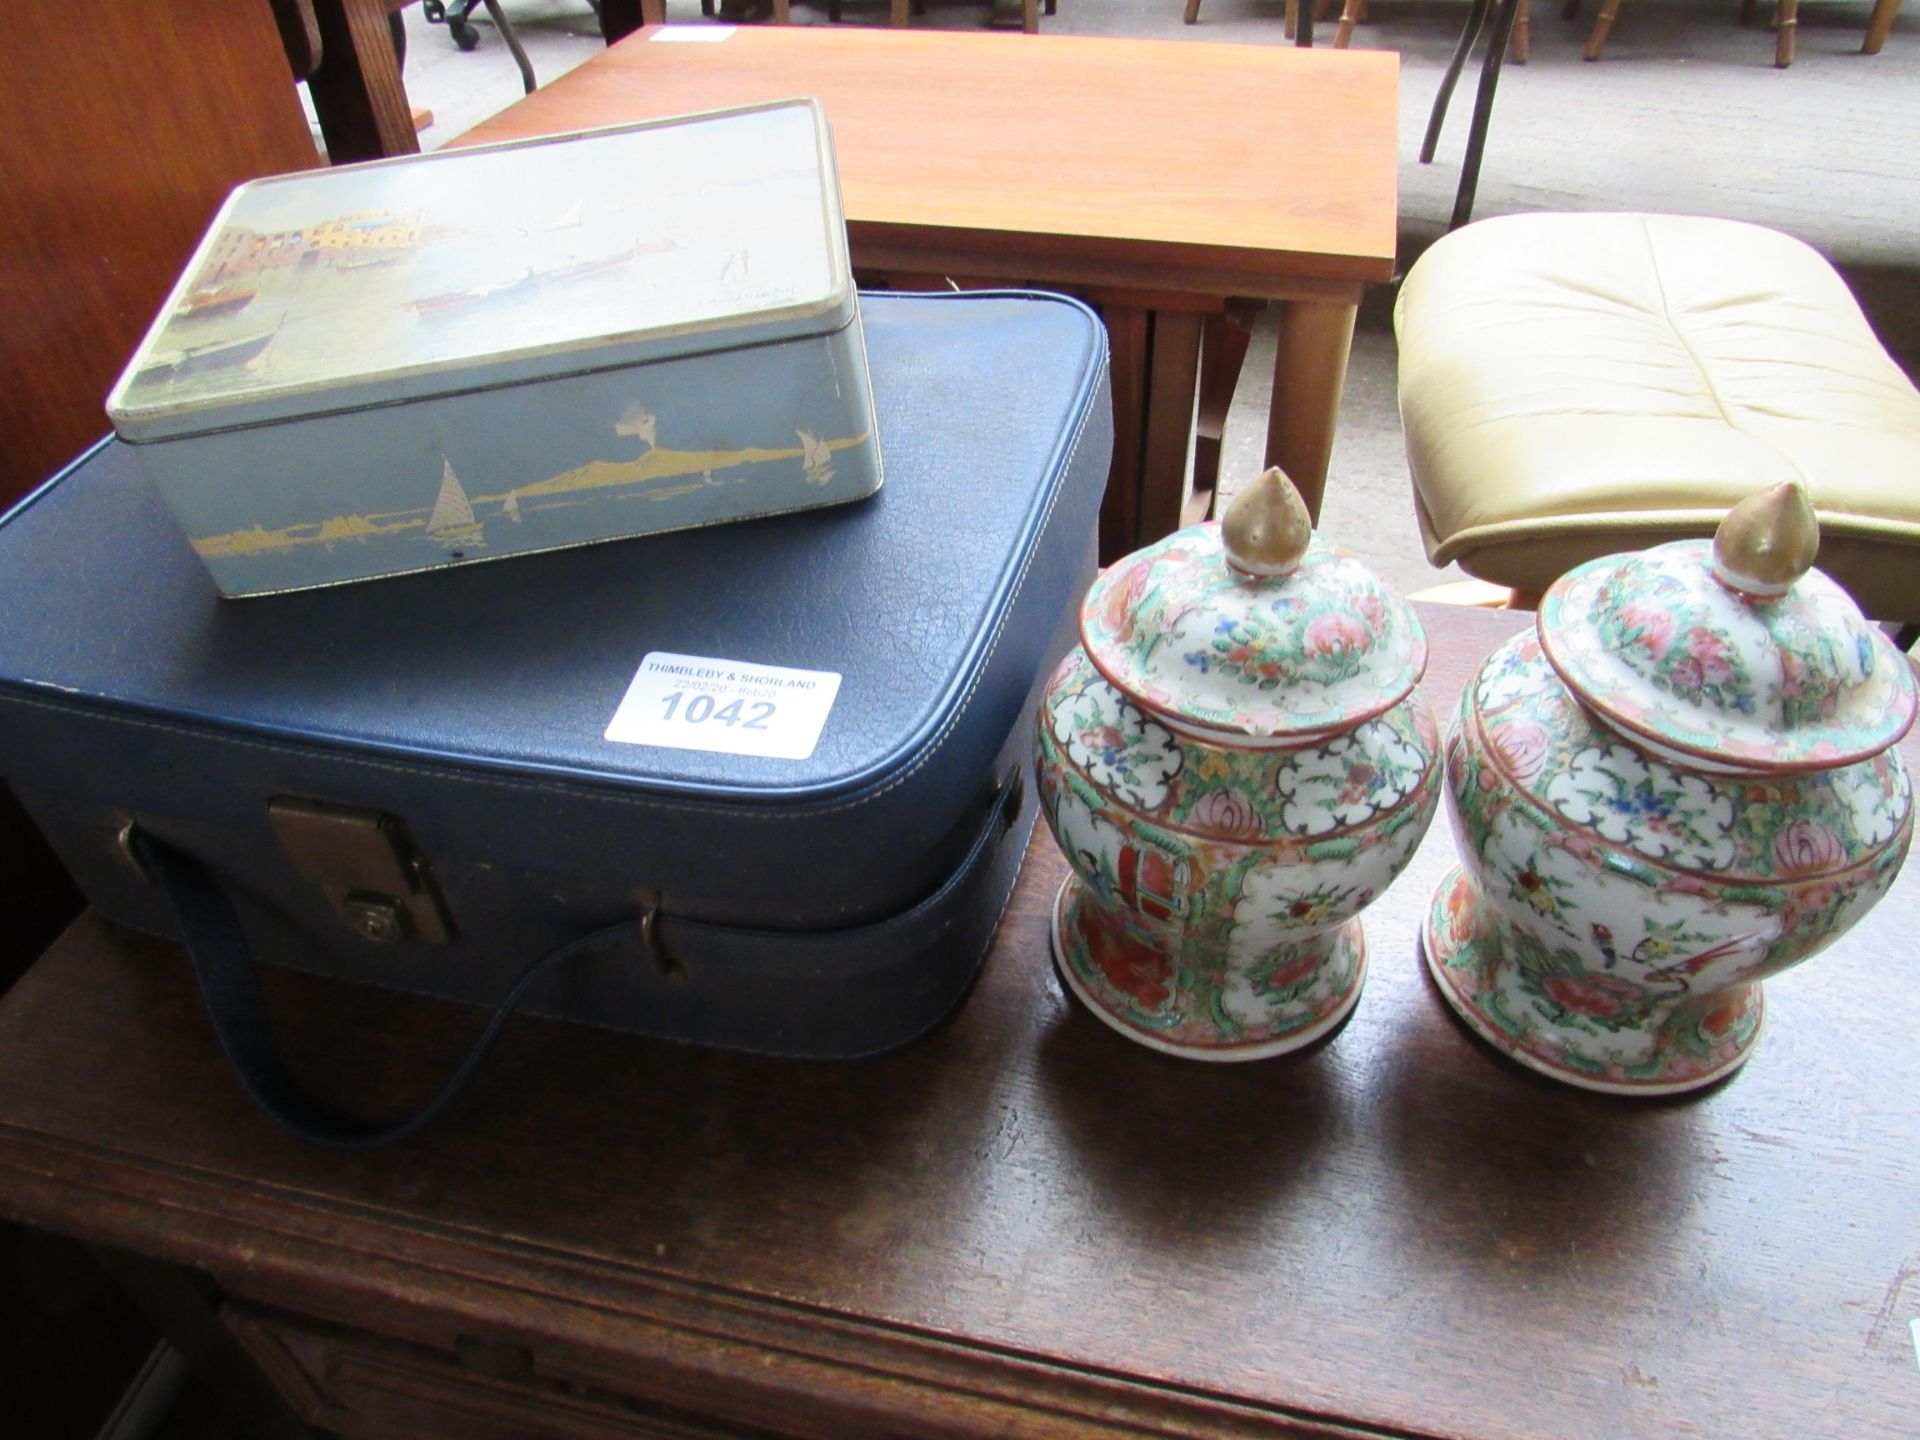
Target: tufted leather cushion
{"type": "Point", "coordinates": [1574, 385]}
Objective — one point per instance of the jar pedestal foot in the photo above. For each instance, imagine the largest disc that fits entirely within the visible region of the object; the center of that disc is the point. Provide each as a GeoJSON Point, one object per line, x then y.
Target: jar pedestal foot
{"type": "Point", "coordinates": [1284, 1001]}
{"type": "Point", "coordinates": [1696, 1045]}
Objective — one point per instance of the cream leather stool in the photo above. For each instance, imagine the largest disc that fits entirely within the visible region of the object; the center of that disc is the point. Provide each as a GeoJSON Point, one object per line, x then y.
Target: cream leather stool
{"type": "Point", "coordinates": [1572, 385]}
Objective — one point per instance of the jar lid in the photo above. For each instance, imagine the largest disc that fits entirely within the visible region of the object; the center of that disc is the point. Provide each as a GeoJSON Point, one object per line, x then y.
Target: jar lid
{"type": "Point", "coordinates": [1253, 627]}
{"type": "Point", "coordinates": [1733, 652]}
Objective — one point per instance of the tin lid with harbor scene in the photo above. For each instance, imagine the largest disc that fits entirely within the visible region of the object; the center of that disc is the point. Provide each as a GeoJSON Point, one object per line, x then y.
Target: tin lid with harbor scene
{"type": "Point", "coordinates": [467, 268]}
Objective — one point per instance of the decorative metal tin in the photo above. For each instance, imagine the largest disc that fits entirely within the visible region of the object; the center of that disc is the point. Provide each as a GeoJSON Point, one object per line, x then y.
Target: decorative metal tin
{"type": "Point", "coordinates": [1684, 782]}
{"type": "Point", "coordinates": [484, 352]}
{"type": "Point", "coordinates": [1235, 762]}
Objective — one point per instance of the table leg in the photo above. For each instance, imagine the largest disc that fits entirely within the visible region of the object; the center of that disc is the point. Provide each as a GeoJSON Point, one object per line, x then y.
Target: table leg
{"type": "Point", "coordinates": [1223, 354]}
{"type": "Point", "coordinates": [620, 18]}
{"type": "Point", "coordinates": [357, 95]}
{"type": "Point", "coordinates": [1309, 372]}
{"type": "Point", "coordinates": [1128, 333]}
{"type": "Point", "coordinates": [1173, 375]}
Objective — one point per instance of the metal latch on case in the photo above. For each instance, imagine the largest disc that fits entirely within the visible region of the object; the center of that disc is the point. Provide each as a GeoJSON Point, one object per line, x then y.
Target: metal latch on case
{"type": "Point", "coordinates": [362, 861]}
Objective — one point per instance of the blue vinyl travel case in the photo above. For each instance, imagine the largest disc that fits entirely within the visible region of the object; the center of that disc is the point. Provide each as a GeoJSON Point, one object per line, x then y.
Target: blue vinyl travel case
{"type": "Point", "coordinates": [406, 782]}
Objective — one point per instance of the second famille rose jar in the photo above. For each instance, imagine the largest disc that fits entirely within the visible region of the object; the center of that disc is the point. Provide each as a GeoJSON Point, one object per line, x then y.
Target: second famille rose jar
{"type": "Point", "coordinates": [1235, 762]}
{"type": "Point", "coordinates": [1682, 783]}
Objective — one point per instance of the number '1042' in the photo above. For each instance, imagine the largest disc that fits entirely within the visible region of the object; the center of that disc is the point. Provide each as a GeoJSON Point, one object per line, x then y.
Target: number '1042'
{"type": "Point", "coordinates": [748, 715]}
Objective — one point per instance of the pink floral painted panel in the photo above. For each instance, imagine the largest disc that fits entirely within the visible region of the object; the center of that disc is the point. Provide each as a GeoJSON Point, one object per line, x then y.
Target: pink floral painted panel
{"type": "Point", "coordinates": [1216, 888]}
{"type": "Point", "coordinates": [1670, 653]}
{"type": "Point", "coordinates": [1615, 911]}
{"type": "Point", "coordinates": [1310, 652]}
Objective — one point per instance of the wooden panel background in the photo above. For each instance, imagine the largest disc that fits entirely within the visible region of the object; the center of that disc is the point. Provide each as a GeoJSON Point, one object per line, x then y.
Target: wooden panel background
{"type": "Point", "coordinates": [122, 127]}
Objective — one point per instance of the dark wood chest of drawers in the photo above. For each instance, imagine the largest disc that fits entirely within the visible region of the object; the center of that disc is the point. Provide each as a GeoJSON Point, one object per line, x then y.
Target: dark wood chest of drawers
{"type": "Point", "coordinates": [1020, 1225]}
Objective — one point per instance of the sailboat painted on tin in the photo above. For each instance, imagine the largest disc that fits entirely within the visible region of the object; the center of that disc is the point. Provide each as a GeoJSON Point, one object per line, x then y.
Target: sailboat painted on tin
{"type": "Point", "coordinates": [639, 422]}
{"type": "Point", "coordinates": [816, 458]}
{"type": "Point", "coordinates": [453, 522]}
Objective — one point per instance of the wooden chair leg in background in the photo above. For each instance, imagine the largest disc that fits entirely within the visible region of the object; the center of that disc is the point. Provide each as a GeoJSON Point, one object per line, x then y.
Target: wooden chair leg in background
{"type": "Point", "coordinates": [1786, 27]}
{"type": "Point", "coordinates": [1602, 23]}
{"type": "Point", "coordinates": [1290, 18]}
{"type": "Point", "coordinates": [1354, 12]}
{"type": "Point", "coordinates": [1351, 14]}
{"type": "Point", "coordinates": [1878, 24]}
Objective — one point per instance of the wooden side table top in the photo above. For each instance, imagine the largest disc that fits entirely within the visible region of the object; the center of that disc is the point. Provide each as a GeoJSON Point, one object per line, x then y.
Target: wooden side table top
{"type": "Point", "coordinates": [1225, 169]}
{"type": "Point", "coordinates": [1023, 1224]}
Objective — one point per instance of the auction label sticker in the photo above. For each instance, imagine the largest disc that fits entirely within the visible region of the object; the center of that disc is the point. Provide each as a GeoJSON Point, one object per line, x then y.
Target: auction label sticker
{"type": "Point", "coordinates": [694, 702]}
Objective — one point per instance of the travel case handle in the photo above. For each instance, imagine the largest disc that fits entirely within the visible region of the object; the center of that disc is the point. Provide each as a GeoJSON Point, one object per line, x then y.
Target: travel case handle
{"type": "Point", "coordinates": [223, 964]}
{"type": "Point", "coordinates": [207, 923]}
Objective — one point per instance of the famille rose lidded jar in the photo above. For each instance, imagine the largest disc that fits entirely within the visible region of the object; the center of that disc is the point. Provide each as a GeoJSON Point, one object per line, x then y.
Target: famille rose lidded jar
{"type": "Point", "coordinates": [1235, 762]}
{"type": "Point", "coordinates": [1682, 783]}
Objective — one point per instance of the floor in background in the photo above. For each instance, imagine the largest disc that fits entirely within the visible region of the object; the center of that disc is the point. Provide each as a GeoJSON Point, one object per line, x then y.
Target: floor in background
{"type": "Point", "coordinates": [1683, 112]}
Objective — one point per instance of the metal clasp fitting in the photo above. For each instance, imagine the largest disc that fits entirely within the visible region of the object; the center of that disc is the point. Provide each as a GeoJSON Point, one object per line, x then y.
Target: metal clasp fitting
{"type": "Point", "coordinates": [362, 861]}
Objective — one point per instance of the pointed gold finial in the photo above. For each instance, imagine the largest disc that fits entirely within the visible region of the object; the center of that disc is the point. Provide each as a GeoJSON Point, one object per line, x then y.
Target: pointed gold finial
{"type": "Point", "coordinates": [1767, 541]}
{"type": "Point", "coordinates": [1266, 529]}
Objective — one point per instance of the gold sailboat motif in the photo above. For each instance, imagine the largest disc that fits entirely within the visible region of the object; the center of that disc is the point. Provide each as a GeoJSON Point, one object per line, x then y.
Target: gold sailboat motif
{"type": "Point", "coordinates": [453, 522]}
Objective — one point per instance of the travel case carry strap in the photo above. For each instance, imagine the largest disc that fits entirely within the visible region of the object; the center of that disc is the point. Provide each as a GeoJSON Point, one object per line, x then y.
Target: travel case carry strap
{"type": "Point", "coordinates": [222, 958]}
{"type": "Point", "coordinates": [223, 965]}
